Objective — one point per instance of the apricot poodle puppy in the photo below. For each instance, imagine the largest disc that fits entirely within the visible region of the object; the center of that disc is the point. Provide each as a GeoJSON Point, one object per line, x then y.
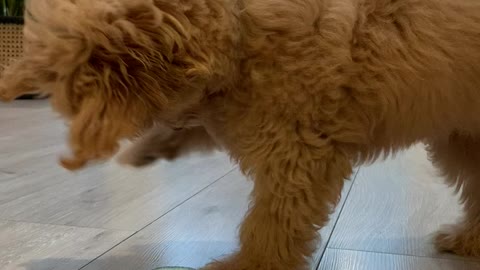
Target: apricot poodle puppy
{"type": "Point", "coordinates": [296, 91]}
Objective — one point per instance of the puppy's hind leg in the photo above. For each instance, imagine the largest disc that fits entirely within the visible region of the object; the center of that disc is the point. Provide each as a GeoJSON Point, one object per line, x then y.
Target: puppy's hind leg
{"type": "Point", "coordinates": [459, 159]}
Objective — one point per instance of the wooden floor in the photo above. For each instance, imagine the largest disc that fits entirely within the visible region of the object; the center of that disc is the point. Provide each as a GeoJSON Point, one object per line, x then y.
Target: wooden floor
{"type": "Point", "coordinates": [187, 212]}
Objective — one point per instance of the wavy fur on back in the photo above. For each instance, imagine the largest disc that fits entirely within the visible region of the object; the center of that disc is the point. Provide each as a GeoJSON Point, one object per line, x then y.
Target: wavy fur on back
{"type": "Point", "coordinates": [296, 91]}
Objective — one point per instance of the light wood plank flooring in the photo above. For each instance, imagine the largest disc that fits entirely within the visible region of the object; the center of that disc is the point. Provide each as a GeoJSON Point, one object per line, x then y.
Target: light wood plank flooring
{"type": "Point", "coordinates": [187, 212]}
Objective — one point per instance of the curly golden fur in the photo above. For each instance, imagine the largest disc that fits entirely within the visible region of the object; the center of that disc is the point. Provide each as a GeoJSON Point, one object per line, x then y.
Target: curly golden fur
{"type": "Point", "coordinates": [297, 91]}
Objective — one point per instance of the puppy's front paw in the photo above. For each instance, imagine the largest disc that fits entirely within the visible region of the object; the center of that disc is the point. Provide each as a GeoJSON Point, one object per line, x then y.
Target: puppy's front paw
{"type": "Point", "coordinates": [4, 96]}
{"type": "Point", "coordinates": [159, 143]}
{"type": "Point", "coordinates": [237, 262]}
{"type": "Point", "coordinates": [141, 157]}
{"type": "Point", "coordinates": [228, 264]}
{"type": "Point", "coordinates": [136, 159]}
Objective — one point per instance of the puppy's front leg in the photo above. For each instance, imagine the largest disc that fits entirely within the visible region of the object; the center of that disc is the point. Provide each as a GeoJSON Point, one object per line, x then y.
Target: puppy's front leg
{"type": "Point", "coordinates": [298, 179]}
{"type": "Point", "coordinates": [163, 142]}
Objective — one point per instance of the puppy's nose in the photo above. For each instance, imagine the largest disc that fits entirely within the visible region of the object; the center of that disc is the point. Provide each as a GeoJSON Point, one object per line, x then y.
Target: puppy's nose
{"type": "Point", "coordinates": [7, 93]}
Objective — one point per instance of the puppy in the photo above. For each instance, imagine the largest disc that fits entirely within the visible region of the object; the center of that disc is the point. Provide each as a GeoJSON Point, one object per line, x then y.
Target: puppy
{"type": "Point", "coordinates": [296, 91]}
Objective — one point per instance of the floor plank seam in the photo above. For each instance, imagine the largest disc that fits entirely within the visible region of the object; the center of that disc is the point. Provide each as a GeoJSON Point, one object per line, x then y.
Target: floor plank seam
{"type": "Point", "coordinates": [461, 259]}
{"type": "Point", "coordinates": [338, 218]}
{"type": "Point", "coordinates": [164, 214]}
{"type": "Point", "coordinates": [64, 225]}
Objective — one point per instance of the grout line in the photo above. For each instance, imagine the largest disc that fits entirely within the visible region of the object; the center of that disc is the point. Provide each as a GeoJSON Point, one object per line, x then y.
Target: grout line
{"type": "Point", "coordinates": [456, 258]}
{"type": "Point", "coordinates": [317, 264]}
{"type": "Point", "coordinates": [164, 214]}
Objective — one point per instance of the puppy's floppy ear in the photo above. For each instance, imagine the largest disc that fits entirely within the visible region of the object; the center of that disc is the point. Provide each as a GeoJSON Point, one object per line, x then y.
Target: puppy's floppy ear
{"type": "Point", "coordinates": [95, 132]}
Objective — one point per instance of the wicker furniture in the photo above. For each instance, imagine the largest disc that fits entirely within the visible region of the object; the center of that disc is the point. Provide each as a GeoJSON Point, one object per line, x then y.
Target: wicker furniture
{"type": "Point", "coordinates": [11, 40]}
{"type": "Point", "coordinates": [11, 46]}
